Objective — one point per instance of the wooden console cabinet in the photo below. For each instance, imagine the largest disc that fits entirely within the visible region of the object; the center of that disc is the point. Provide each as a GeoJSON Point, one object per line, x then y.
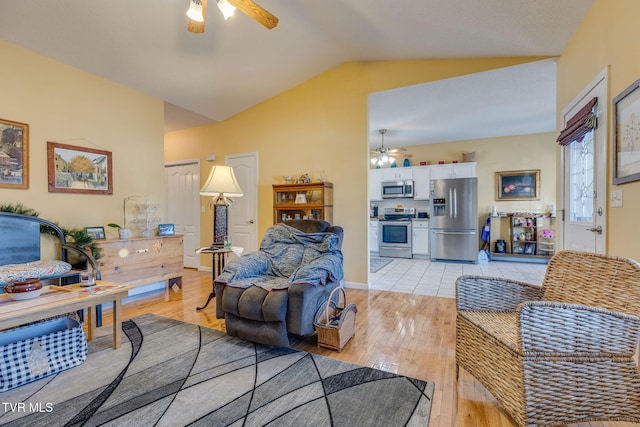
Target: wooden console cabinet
{"type": "Point", "coordinates": [142, 261]}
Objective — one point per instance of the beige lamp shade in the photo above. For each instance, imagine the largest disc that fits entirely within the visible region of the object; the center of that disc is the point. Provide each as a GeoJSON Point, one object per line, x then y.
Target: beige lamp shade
{"type": "Point", "coordinates": [221, 181]}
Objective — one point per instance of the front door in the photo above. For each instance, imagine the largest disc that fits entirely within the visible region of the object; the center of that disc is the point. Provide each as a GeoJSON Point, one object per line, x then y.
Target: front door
{"type": "Point", "coordinates": [243, 227]}
{"type": "Point", "coordinates": [584, 177]}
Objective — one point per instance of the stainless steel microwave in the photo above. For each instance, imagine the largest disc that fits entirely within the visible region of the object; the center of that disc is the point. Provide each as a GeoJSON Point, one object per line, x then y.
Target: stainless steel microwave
{"type": "Point", "coordinates": [397, 189]}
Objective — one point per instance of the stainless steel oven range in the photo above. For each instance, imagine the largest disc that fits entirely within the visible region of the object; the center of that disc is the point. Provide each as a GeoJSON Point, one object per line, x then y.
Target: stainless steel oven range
{"type": "Point", "coordinates": [394, 233]}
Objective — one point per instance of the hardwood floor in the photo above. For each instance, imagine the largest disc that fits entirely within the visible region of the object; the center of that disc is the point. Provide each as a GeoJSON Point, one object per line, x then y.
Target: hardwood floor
{"type": "Point", "coordinates": [412, 335]}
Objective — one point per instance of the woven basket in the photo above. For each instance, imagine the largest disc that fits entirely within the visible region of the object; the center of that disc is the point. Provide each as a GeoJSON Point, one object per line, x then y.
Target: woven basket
{"type": "Point", "coordinates": [335, 324]}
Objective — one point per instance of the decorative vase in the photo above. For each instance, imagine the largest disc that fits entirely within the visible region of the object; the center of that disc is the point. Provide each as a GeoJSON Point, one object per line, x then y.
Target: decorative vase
{"type": "Point", "coordinates": [124, 233]}
{"type": "Point", "coordinates": [406, 162]}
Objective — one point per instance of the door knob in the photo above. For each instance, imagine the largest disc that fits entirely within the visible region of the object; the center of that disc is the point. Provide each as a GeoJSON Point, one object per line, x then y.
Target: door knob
{"type": "Point", "coordinates": [251, 221]}
{"type": "Point", "coordinates": [597, 229]}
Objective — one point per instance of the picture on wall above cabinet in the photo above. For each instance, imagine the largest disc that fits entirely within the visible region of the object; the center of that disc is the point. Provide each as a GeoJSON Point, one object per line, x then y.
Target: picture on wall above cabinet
{"type": "Point", "coordinates": [78, 169]}
{"type": "Point", "coordinates": [518, 185]}
{"type": "Point", "coordinates": [14, 155]}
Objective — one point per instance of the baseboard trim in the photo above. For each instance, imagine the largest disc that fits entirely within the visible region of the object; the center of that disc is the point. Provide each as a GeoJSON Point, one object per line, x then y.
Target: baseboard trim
{"type": "Point", "coordinates": [356, 285]}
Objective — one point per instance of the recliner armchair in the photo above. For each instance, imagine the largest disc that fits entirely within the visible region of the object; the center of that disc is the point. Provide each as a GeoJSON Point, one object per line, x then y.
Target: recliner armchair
{"type": "Point", "coordinates": [265, 295]}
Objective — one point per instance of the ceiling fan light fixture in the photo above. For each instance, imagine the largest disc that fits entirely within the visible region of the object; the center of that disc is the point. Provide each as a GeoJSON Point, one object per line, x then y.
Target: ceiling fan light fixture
{"type": "Point", "coordinates": [226, 8]}
{"type": "Point", "coordinates": [195, 11]}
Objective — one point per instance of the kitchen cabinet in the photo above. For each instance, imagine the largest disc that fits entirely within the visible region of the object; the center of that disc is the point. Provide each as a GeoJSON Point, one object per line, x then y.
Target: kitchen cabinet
{"type": "Point", "coordinates": [393, 174]}
{"type": "Point", "coordinates": [303, 201]}
{"type": "Point", "coordinates": [375, 184]}
{"type": "Point", "coordinates": [373, 236]}
{"type": "Point", "coordinates": [454, 170]}
{"type": "Point", "coordinates": [420, 237]}
{"type": "Point", "coordinates": [421, 180]}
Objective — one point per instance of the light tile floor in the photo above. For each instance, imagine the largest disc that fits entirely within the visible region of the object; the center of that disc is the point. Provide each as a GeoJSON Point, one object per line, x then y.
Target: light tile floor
{"type": "Point", "coordinates": [423, 277]}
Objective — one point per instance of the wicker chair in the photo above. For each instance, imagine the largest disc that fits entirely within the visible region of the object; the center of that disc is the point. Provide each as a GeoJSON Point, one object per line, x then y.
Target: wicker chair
{"type": "Point", "coordinates": [564, 352]}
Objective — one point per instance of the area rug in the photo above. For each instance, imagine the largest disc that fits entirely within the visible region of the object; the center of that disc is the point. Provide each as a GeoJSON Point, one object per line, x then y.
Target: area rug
{"type": "Point", "coordinates": [376, 264]}
{"type": "Point", "coordinates": [171, 373]}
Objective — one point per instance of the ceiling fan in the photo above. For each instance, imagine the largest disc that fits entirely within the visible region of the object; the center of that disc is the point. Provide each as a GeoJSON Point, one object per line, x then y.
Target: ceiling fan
{"type": "Point", "coordinates": [198, 12]}
{"type": "Point", "coordinates": [382, 154]}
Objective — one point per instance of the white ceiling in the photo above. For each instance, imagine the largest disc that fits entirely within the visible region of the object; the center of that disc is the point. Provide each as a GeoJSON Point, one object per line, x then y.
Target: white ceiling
{"type": "Point", "coordinates": [235, 64]}
{"type": "Point", "coordinates": [515, 100]}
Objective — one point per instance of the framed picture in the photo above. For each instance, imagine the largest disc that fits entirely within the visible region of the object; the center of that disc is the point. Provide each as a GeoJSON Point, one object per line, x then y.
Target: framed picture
{"type": "Point", "coordinates": [14, 154]}
{"type": "Point", "coordinates": [626, 135]}
{"type": "Point", "coordinates": [78, 170]}
{"type": "Point", "coordinates": [96, 233]}
{"type": "Point", "coordinates": [529, 248]}
{"type": "Point", "coordinates": [166, 230]}
{"type": "Point", "coordinates": [518, 185]}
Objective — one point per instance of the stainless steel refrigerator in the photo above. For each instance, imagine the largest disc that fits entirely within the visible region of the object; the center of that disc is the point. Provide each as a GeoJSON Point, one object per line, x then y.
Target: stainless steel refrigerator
{"type": "Point", "coordinates": [454, 220]}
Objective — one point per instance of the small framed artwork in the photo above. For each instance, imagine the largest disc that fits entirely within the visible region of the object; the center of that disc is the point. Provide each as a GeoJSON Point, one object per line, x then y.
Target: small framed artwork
{"type": "Point", "coordinates": [626, 135]}
{"type": "Point", "coordinates": [96, 233]}
{"type": "Point", "coordinates": [529, 248]}
{"type": "Point", "coordinates": [518, 185]}
{"type": "Point", "coordinates": [14, 155]}
{"type": "Point", "coordinates": [166, 230]}
{"type": "Point", "coordinates": [78, 170]}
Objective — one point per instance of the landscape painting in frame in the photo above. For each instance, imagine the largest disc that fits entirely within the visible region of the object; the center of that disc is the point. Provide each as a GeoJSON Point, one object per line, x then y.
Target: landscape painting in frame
{"type": "Point", "coordinates": [14, 154]}
{"type": "Point", "coordinates": [78, 169]}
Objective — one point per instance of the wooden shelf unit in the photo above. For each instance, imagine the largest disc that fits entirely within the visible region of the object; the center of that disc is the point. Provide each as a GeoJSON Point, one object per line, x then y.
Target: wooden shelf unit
{"type": "Point", "coordinates": [521, 233]}
{"type": "Point", "coordinates": [314, 201]}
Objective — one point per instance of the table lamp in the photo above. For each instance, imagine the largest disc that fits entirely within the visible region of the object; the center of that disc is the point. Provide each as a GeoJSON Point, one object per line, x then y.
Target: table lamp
{"type": "Point", "coordinates": [220, 185]}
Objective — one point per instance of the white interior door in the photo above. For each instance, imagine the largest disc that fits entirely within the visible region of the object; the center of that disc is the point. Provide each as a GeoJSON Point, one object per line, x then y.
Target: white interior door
{"type": "Point", "coordinates": [243, 213]}
{"type": "Point", "coordinates": [182, 195]}
{"type": "Point", "coordinates": [584, 191]}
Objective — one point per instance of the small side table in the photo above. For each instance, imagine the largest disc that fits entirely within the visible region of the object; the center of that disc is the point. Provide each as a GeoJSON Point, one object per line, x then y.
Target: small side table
{"type": "Point", "coordinates": [218, 265]}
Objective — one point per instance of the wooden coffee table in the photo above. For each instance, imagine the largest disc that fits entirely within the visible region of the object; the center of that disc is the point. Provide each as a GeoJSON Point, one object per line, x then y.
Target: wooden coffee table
{"type": "Point", "coordinates": [56, 300]}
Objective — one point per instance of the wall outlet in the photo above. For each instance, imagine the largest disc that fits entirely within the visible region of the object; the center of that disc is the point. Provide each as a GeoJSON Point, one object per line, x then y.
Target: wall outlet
{"type": "Point", "coordinates": [616, 199]}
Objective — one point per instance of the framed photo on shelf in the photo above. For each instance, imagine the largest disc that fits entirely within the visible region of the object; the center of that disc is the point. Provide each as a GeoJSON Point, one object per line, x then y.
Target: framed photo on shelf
{"type": "Point", "coordinates": [518, 185]}
{"type": "Point", "coordinates": [626, 135]}
{"type": "Point", "coordinates": [96, 233]}
{"type": "Point", "coordinates": [529, 248]}
{"type": "Point", "coordinates": [78, 169]}
{"type": "Point", "coordinates": [14, 155]}
{"type": "Point", "coordinates": [166, 230]}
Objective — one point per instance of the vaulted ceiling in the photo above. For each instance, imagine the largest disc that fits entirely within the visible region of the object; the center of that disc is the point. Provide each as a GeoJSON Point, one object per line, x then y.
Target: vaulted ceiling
{"type": "Point", "coordinates": [235, 64]}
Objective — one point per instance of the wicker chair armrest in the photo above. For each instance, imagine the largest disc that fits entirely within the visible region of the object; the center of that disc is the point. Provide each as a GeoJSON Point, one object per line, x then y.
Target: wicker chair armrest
{"type": "Point", "coordinates": [569, 329]}
{"type": "Point", "coordinates": [493, 293]}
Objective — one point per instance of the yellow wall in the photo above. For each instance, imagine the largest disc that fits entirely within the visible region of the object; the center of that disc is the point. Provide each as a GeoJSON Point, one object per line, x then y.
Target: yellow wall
{"type": "Point", "coordinates": [320, 125]}
{"type": "Point", "coordinates": [63, 104]}
{"type": "Point", "coordinates": [608, 36]}
{"type": "Point", "coordinates": [512, 153]}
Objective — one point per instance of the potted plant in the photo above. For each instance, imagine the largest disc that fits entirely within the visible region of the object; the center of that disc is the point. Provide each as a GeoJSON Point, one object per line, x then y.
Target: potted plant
{"type": "Point", "coordinates": [123, 232]}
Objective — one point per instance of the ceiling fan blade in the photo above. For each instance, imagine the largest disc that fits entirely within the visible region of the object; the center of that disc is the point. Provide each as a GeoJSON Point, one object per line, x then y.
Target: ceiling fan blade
{"type": "Point", "coordinates": [399, 155]}
{"type": "Point", "coordinates": [396, 149]}
{"type": "Point", "coordinates": [256, 12]}
{"type": "Point", "coordinates": [195, 26]}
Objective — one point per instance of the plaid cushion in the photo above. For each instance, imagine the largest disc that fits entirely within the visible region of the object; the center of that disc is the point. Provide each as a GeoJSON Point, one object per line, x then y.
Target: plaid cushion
{"type": "Point", "coordinates": [26, 356]}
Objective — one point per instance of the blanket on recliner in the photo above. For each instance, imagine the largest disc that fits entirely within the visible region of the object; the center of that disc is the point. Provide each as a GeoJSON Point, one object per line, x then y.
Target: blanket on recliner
{"type": "Point", "coordinates": [287, 256]}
